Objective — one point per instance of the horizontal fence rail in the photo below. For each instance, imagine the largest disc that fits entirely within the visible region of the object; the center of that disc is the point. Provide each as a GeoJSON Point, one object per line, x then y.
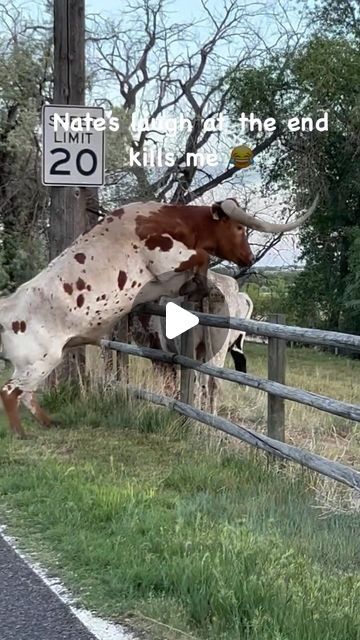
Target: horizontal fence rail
{"type": "Point", "coordinates": [259, 328]}
{"type": "Point", "coordinates": [278, 335]}
{"type": "Point", "coordinates": [323, 403]}
{"type": "Point", "coordinates": [334, 470]}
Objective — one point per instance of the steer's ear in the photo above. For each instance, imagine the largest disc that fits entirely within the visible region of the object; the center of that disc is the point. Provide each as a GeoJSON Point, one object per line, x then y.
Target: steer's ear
{"type": "Point", "coordinates": [217, 212]}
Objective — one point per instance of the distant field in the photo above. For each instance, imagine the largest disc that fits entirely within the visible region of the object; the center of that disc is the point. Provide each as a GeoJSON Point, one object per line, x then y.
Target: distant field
{"type": "Point", "coordinates": [323, 373]}
{"type": "Point", "coordinates": [178, 535]}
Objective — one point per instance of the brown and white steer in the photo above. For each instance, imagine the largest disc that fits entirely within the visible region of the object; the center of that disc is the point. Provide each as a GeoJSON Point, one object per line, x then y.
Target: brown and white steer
{"type": "Point", "coordinates": [84, 291]}
{"type": "Point", "coordinates": [211, 344]}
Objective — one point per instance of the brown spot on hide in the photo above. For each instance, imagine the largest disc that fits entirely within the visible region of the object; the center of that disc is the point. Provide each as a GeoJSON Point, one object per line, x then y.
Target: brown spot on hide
{"type": "Point", "coordinates": [68, 288]}
{"type": "Point", "coordinates": [163, 242]}
{"type": "Point", "coordinates": [110, 219]}
{"type": "Point", "coordinates": [103, 297]}
{"type": "Point", "coordinates": [80, 284]}
{"type": "Point", "coordinates": [80, 300]}
{"type": "Point", "coordinates": [118, 213]}
{"type": "Point", "coordinates": [122, 277]}
{"type": "Point", "coordinates": [88, 286]}
{"type": "Point", "coordinates": [80, 257]}
{"type": "Point", "coordinates": [16, 326]}
{"type": "Point", "coordinates": [133, 284]}
{"type": "Point", "coordinates": [22, 326]}
{"type": "Point", "coordinates": [176, 220]}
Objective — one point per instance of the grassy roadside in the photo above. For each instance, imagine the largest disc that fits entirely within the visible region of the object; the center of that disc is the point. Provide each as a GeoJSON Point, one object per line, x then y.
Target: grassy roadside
{"type": "Point", "coordinates": [148, 523]}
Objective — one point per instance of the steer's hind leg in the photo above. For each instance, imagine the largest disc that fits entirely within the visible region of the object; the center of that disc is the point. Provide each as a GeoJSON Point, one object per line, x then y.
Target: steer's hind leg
{"type": "Point", "coordinates": [10, 395]}
{"type": "Point", "coordinates": [29, 399]}
{"type": "Point", "coordinates": [24, 382]}
{"type": "Point", "coordinates": [214, 387]}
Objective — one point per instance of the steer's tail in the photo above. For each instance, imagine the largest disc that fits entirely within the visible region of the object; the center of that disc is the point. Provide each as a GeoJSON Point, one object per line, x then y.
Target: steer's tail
{"type": "Point", "coordinates": [237, 347]}
{"type": "Point", "coordinates": [3, 314]}
{"type": "Point", "coordinates": [237, 353]}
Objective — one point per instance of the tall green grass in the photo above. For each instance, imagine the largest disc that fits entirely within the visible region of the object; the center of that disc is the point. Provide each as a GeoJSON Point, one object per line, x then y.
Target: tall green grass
{"type": "Point", "coordinates": [148, 522]}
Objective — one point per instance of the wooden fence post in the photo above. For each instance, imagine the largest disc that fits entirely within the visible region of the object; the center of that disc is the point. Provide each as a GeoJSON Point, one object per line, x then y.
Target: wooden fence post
{"type": "Point", "coordinates": [187, 376]}
{"type": "Point", "coordinates": [276, 372]}
{"type": "Point", "coordinates": [122, 359]}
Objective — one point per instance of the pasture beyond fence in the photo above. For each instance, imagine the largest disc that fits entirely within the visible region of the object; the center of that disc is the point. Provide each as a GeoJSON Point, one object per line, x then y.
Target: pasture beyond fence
{"type": "Point", "coordinates": [278, 334]}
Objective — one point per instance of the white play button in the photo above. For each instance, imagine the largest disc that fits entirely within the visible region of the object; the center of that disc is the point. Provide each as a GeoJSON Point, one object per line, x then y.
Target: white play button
{"type": "Point", "coordinates": [178, 320]}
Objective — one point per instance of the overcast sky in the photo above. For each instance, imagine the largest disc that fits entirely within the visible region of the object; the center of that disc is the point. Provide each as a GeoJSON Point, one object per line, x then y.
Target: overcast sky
{"type": "Point", "coordinates": [185, 8]}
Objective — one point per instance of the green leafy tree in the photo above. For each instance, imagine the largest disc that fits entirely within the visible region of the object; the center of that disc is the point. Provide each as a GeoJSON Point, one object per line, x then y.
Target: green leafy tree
{"type": "Point", "coordinates": [350, 319]}
{"type": "Point", "coordinates": [24, 79]}
{"type": "Point", "coordinates": [271, 294]}
{"type": "Point", "coordinates": [323, 76]}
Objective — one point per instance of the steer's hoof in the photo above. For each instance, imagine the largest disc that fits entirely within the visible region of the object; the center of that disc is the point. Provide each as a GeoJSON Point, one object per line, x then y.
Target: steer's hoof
{"type": "Point", "coordinates": [23, 436]}
{"type": "Point", "coordinates": [56, 424]}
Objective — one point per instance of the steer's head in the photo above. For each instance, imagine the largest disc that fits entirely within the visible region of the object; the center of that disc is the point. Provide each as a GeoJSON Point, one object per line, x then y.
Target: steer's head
{"type": "Point", "coordinates": [231, 230]}
{"type": "Point", "coordinates": [231, 235]}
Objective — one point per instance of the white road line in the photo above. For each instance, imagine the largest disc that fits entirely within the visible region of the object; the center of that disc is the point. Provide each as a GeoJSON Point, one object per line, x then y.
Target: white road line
{"type": "Point", "coordinates": [100, 628]}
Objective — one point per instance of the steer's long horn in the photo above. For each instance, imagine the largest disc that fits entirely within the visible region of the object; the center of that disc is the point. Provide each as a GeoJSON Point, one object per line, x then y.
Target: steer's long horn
{"type": "Point", "coordinates": [237, 213]}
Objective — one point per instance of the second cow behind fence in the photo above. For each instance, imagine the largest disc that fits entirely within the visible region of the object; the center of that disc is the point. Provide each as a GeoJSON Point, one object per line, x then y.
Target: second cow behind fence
{"type": "Point", "coordinates": [210, 344]}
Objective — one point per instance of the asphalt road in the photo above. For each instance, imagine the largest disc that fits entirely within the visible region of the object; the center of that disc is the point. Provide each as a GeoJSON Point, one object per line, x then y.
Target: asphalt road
{"type": "Point", "coordinates": [29, 610]}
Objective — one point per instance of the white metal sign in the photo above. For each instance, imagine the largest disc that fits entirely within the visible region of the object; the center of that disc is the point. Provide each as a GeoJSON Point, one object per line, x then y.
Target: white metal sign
{"type": "Point", "coordinates": [73, 149]}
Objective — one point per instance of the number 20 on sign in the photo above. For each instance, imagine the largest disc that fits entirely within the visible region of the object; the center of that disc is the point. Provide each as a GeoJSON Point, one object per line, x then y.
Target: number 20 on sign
{"type": "Point", "coordinates": [72, 157]}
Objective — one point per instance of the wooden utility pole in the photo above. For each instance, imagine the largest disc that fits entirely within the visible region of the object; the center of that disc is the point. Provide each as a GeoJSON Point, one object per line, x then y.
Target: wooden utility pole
{"type": "Point", "coordinates": [68, 212]}
{"type": "Point", "coordinates": [72, 208]}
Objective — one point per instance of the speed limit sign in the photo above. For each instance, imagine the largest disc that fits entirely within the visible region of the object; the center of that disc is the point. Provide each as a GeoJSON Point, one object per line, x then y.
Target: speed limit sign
{"type": "Point", "coordinates": [73, 146]}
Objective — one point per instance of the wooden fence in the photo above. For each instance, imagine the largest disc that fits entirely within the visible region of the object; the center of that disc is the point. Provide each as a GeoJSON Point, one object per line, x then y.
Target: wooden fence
{"type": "Point", "coordinates": [278, 334]}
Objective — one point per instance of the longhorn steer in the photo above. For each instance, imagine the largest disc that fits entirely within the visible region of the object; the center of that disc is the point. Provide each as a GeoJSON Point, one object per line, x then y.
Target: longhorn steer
{"type": "Point", "coordinates": [84, 291]}
{"type": "Point", "coordinates": [210, 343]}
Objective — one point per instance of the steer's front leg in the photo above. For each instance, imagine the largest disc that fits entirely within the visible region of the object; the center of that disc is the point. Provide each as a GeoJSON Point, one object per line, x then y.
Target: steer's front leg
{"type": "Point", "coordinates": [196, 288]}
